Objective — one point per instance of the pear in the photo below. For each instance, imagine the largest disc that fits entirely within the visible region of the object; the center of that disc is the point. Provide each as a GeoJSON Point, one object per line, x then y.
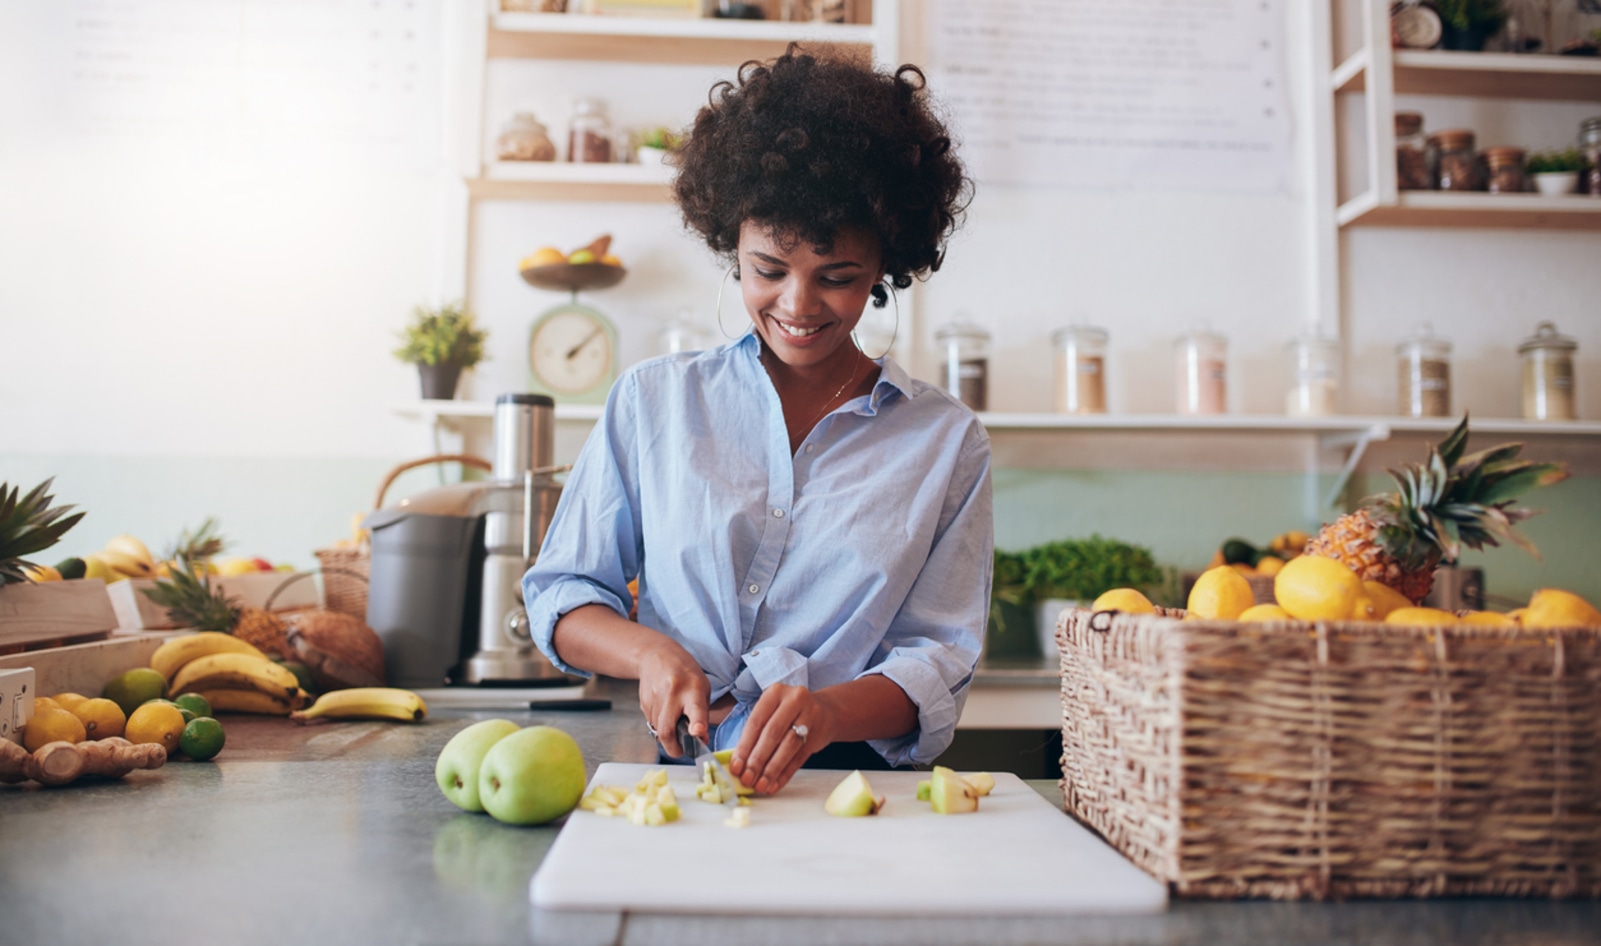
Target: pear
{"type": "Point", "coordinates": [853, 798]}
{"type": "Point", "coordinates": [950, 793]}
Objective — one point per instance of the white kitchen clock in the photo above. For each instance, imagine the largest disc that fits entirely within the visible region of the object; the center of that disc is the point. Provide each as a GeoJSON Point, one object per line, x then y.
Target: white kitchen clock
{"type": "Point", "coordinates": [572, 354]}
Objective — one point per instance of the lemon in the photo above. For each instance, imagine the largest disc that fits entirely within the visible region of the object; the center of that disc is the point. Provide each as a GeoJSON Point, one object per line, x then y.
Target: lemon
{"type": "Point", "coordinates": [101, 717]}
{"type": "Point", "coordinates": [44, 703]}
{"type": "Point", "coordinates": [137, 686]}
{"type": "Point", "coordinates": [1487, 619]}
{"type": "Point", "coordinates": [1420, 617]}
{"type": "Point", "coordinates": [1270, 565]}
{"type": "Point", "coordinates": [69, 701]}
{"type": "Point", "coordinates": [1124, 599]}
{"type": "Point", "coordinates": [1376, 601]}
{"type": "Point", "coordinates": [1265, 612]}
{"type": "Point", "coordinates": [159, 723]}
{"type": "Point", "coordinates": [201, 739]}
{"type": "Point", "coordinates": [52, 724]}
{"type": "Point", "coordinates": [1220, 593]}
{"type": "Point", "coordinates": [1550, 607]}
{"type": "Point", "coordinates": [1314, 588]}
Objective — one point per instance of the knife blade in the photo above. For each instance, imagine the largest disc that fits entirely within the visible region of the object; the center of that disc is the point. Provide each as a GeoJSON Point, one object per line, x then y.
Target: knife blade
{"type": "Point", "coordinates": [693, 747]}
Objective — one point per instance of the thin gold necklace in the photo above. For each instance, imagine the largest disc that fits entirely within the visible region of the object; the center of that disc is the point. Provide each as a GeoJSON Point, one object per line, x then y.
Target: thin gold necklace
{"type": "Point", "coordinates": [830, 402]}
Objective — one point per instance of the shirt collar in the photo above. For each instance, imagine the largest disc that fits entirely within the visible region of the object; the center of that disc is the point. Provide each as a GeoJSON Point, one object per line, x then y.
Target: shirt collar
{"type": "Point", "coordinates": [892, 378]}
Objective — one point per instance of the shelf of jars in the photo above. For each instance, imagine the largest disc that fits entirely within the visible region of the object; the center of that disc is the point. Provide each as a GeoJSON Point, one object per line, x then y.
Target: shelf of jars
{"type": "Point", "coordinates": [661, 41]}
{"type": "Point", "coordinates": [1472, 209]}
{"type": "Point", "coordinates": [1478, 75]}
{"type": "Point", "coordinates": [565, 180]}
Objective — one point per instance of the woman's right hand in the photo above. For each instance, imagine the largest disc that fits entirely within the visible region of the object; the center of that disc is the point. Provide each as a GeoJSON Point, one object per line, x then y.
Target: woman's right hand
{"type": "Point", "coordinates": [672, 685]}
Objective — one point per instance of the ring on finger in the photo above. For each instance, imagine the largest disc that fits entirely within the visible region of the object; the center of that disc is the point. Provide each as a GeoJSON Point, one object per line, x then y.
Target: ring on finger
{"type": "Point", "coordinates": [801, 730]}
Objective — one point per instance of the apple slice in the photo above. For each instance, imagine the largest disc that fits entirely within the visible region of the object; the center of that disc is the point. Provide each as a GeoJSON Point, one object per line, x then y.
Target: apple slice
{"type": "Point", "coordinates": [982, 783]}
{"type": "Point", "coordinates": [923, 789]}
{"type": "Point", "coordinates": [853, 798]}
{"type": "Point", "coordinates": [950, 794]}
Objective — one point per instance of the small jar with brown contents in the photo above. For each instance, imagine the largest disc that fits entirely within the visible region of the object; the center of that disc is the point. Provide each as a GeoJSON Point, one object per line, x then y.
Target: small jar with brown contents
{"type": "Point", "coordinates": [1411, 153]}
{"type": "Point", "coordinates": [1080, 369]}
{"type": "Point", "coordinates": [1548, 392]}
{"type": "Point", "coordinates": [1505, 170]}
{"type": "Point", "coordinates": [1590, 147]}
{"type": "Point", "coordinates": [589, 139]}
{"type": "Point", "coordinates": [1456, 164]}
{"type": "Point", "coordinates": [1423, 364]}
{"type": "Point", "coordinates": [524, 139]}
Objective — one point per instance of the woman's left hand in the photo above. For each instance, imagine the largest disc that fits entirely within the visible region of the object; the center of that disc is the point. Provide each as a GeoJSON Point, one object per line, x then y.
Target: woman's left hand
{"type": "Point", "coordinates": [771, 749]}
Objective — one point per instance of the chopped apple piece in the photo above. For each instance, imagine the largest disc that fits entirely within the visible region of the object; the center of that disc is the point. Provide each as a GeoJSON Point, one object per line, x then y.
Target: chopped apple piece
{"type": "Point", "coordinates": [853, 798]}
{"type": "Point", "coordinates": [950, 794]}
{"type": "Point", "coordinates": [923, 788]}
{"type": "Point", "coordinates": [738, 818]}
{"type": "Point", "coordinates": [982, 783]}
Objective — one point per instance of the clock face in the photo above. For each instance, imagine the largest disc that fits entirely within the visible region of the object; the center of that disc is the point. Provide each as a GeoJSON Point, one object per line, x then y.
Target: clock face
{"type": "Point", "coordinates": [572, 352]}
{"type": "Point", "coordinates": [1416, 27]}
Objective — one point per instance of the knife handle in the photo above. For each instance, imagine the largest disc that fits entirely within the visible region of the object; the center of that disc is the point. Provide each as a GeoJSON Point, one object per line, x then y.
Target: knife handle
{"type": "Point", "coordinates": [542, 705]}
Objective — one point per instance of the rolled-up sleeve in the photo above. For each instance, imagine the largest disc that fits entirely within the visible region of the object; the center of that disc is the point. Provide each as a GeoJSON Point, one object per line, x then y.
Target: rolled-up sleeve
{"type": "Point", "coordinates": [592, 549]}
{"type": "Point", "coordinates": [932, 646]}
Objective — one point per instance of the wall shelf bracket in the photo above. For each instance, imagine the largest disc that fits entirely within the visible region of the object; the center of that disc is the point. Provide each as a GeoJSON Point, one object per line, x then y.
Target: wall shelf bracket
{"type": "Point", "coordinates": [1356, 441]}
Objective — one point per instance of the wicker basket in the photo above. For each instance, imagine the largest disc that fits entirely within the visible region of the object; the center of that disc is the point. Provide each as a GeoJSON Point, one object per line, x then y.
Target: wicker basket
{"type": "Point", "coordinates": [1337, 760]}
{"type": "Point", "coordinates": [345, 570]}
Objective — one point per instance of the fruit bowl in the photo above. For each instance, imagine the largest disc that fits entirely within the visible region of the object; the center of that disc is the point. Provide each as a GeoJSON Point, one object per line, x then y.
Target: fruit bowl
{"type": "Point", "coordinates": [571, 277]}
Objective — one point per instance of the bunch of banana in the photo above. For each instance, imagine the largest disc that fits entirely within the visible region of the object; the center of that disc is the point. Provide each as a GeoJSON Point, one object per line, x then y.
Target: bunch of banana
{"type": "Point", "coordinates": [123, 557]}
{"type": "Point", "coordinates": [366, 703]}
{"type": "Point", "coordinates": [230, 673]}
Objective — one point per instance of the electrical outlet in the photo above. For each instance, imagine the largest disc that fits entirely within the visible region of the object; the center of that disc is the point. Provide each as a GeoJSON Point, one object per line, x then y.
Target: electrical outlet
{"type": "Point", "coordinates": [16, 702]}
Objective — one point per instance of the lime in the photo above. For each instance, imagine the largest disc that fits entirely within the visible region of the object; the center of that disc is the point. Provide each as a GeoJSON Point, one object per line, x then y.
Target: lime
{"type": "Point", "coordinates": [136, 687]}
{"type": "Point", "coordinates": [194, 703]}
{"type": "Point", "coordinates": [201, 739]}
{"type": "Point", "coordinates": [302, 675]}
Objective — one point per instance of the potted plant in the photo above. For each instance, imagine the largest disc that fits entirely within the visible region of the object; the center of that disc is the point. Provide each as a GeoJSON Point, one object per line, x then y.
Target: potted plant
{"type": "Point", "coordinates": [442, 342]}
{"type": "Point", "coordinates": [654, 144]}
{"type": "Point", "coordinates": [1466, 24]}
{"type": "Point", "coordinates": [1031, 588]}
{"type": "Point", "coordinates": [37, 601]}
{"type": "Point", "coordinates": [1556, 172]}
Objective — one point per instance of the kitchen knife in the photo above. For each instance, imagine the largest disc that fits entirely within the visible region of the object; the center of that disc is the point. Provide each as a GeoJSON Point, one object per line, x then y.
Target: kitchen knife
{"type": "Point", "coordinates": [691, 746]}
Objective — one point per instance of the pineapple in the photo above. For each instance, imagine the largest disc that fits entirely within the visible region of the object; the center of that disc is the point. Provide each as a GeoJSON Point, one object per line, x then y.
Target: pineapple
{"type": "Point", "coordinates": [29, 525]}
{"type": "Point", "coordinates": [190, 600]}
{"type": "Point", "coordinates": [201, 545]}
{"type": "Point", "coordinates": [267, 631]}
{"type": "Point", "coordinates": [1398, 539]}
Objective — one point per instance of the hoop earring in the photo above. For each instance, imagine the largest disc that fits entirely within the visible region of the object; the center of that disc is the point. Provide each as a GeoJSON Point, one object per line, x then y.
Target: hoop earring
{"type": "Point", "coordinates": [893, 335]}
{"type": "Point", "coordinates": [721, 285]}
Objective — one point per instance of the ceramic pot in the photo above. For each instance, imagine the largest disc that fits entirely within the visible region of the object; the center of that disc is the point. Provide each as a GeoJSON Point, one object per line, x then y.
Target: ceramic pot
{"type": "Point", "coordinates": [1557, 183]}
{"type": "Point", "coordinates": [1470, 40]}
{"type": "Point", "coordinates": [439, 381]}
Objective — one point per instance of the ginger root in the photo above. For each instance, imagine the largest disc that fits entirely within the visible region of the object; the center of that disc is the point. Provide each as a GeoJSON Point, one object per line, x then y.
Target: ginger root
{"type": "Point", "coordinates": [58, 763]}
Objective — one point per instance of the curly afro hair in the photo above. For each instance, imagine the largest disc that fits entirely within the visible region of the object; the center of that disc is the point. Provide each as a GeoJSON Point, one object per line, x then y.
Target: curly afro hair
{"type": "Point", "coordinates": [809, 145]}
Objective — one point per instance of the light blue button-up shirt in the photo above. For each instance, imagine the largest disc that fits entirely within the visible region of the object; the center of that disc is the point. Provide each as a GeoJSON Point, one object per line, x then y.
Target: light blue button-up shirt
{"type": "Point", "coordinates": [868, 550]}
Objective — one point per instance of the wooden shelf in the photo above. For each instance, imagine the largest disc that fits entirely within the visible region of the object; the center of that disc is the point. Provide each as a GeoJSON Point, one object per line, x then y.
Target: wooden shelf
{"type": "Point", "coordinates": [561, 180]}
{"type": "Point", "coordinates": [432, 412]}
{"type": "Point", "coordinates": [1455, 209]}
{"type": "Point", "coordinates": [1481, 75]}
{"type": "Point", "coordinates": [670, 41]}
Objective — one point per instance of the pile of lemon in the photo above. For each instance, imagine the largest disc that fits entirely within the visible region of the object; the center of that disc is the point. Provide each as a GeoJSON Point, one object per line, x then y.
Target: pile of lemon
{"type": "Point", "coordinates": [134, 707]}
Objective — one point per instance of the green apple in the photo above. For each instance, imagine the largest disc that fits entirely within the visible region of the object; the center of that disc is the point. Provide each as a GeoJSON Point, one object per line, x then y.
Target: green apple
{"type": "Point", "coordinates": [853, 798]}
{"type": "Point", "coordinates": [950, 794]}
{"type": "Point", "coordinates": [924, 790]}
{"type": "Point", "coordinates": [532, 776]}
{"type": "Point", "coordinates": [983, 783]}
{"type": "Point", "coordinates": [579, 257]}
{"type": "Point", "coordinates": [459, 762]}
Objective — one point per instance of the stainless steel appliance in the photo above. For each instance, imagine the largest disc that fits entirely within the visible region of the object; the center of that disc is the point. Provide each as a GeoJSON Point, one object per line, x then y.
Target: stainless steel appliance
{"type": "Point", "coordinates": [445, 585]}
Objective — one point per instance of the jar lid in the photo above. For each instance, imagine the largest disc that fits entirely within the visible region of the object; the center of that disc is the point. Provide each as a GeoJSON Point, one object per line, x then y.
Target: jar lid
{"type": "Point", "coordinates": [1591, 124]}
{"type": "Point", "coordinates": [1083, 333]}
{"type": "Point", "coordinates": [1201, 334]}
{"type": "Point", "coordinates": [960, 330]}
{"type": "Point", "coordinates": [1457, 139]}
{"type": "Point", "coordinates": [1313, 338]}
{"type": "Point", "coordinates": [1546, 336]}
{"type": "Point", "coordinates": [588, 106]}
{"type": "Point", "coordinates": [1408, 123]}
{"type": "Point", "coordinates": [1503, 156]}
{"type": "Point", "coordinates": [1423, 338]}
{"type": "Point", "coordinates": [526, 120]}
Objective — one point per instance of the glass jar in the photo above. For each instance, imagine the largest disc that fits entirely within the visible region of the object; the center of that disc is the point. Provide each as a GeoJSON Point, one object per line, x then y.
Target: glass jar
{"type": "Point", "coordinates": [1590, 147]}
{"type": "Point", "coordinates": [1456, 167]}
{"type": "Point", "coordinates": [1505, 166]}
{"type": "Point", "coordinates": [1423, 365]}
{"type": "Point", "coordinates": [964, 362]}
{"type": "Point", "coordinates": [1080, 369]}
{"type": "Point", "coordinates": [1315, 358]}
{"type": "Point", "coordinates": [524, 138]}
{"type": "Point", "coordinates": [1548, 392]}
{"type": "Point", "coordinates": [680, 333]}
{"type": "Point", "coordinates": [1200, 362]}
{"type": "Point", "coordinates": [589, 139]}
{"type": "Point", "coordinates": [1411, 153]}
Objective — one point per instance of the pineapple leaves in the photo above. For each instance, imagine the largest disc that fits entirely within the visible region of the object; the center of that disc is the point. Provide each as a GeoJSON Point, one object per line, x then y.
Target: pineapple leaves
{"type": "Point", "coordinates": [29, 524]}
{"type": "Point", "coordinates": [1450, 449]}
{"type": "Point", "coordinates": [1503, 485]}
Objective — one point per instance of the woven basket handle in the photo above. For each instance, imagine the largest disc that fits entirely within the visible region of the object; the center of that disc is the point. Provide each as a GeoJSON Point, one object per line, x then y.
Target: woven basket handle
{"type": "Point", "coordinates": [1102, 620]}
{"type": "Point", "coordinates": [465, 459]}
{"type": "Point", "coordinates": [267, 605]}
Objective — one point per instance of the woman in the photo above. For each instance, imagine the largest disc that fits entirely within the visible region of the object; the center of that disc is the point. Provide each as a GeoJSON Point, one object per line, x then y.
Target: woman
{"type": "Point", "coordinates": [810, 528]}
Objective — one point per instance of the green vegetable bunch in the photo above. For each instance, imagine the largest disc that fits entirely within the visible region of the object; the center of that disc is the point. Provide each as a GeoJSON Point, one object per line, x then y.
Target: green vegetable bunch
{"type": "Point", "coordinates": [446, 335]}
{"type": "Point", "coordinates": [663, 138]}
{"type": "Point", "coordinates": [1488, 15]}
{"type": "Point", "coordinates": [1082, 569]}
{"type": "Point", "coordinates": [1549, 162]}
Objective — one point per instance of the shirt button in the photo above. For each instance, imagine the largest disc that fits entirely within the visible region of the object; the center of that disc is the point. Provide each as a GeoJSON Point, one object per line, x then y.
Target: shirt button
{"type": "Point", "coordinates": [811, 448]}
{"type": "Point", "coordinates": [754, 588]}
{"type": "Point", "coordinates": [755, 653]}
{"type": "Point", "coordinates": [778, 513]}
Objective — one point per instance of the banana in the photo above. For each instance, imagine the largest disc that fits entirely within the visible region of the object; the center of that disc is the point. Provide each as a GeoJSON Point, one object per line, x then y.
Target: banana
{"type": "Point", "coordinates": [231, 671]}
{"type": "Point", "coordinates": [177, 651]}
{"type": "Point", "coordinates": [128, 545]}
{"type": "Point", "coordinates": [130, 566]}
{"type": "Point", "coordinates": [366, 703]}
{"type": "Point", "coordinates": [245, 701]}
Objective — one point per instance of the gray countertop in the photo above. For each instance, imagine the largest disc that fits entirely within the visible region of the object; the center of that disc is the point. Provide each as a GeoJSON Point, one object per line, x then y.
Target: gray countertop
{"type": "Point", "coordinates": [337, 834]}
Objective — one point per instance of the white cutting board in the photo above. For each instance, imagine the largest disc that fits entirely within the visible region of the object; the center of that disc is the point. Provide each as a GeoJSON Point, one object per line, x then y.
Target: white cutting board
{"type": "Point", "coordinates": [1016, 856]}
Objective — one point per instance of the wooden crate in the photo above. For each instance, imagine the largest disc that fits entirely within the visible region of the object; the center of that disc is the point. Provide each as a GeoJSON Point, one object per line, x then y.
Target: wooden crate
{"type": "Point", "coordinates": [1329, 760]}
{"type": "Point", "coordinates": [54, 611]}
{"type": "Point", "coordinates": [135, 609]}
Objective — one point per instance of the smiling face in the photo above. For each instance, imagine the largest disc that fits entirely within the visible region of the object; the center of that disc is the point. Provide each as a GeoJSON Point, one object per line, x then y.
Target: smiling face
{"type": "Point", "coordinates": [805, 303]}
